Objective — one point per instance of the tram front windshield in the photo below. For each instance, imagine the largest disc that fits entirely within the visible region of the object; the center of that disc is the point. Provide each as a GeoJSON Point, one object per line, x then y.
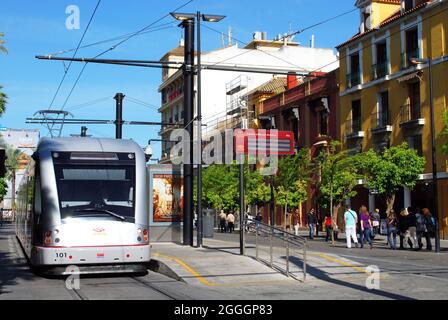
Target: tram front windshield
{"type": "Point", "coordinates": [96, 191]}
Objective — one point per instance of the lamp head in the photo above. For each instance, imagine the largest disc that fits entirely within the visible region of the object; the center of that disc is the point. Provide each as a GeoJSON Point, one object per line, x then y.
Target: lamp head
{"type": "Point", "coordinates": [183, 16]}
{"type": "Point", "coordinates": [212, 17]}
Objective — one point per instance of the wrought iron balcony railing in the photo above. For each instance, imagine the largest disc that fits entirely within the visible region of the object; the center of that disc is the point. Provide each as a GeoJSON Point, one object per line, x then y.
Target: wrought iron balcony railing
{"type": "Point", "coordinates": [406, 58]}
{"type": "Point", "coordinates": [380, 70]}
{"type": "Point", "coordinates": [353, 79]}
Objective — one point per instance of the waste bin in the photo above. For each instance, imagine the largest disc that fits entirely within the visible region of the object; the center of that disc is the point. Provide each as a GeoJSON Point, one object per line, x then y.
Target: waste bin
{"type": "Point", "coordinates": [208, 222]}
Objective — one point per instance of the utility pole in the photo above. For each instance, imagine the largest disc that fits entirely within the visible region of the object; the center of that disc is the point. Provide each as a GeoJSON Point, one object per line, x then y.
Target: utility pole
{"type": "Point", "coordinates": [188, 70]}
{"type": "Point", "coordinates": [119, 116]}
{"type": "Point", "coordinates": [199, 132]}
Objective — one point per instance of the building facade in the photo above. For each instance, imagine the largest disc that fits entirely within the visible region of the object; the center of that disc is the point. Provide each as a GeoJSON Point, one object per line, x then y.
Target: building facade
{"type": "Point", "coordinates": [385, 90]}
{"type": "Point", "coordinates": [225, 94]}
{"type": "Point", "coordinates": [309, 108]}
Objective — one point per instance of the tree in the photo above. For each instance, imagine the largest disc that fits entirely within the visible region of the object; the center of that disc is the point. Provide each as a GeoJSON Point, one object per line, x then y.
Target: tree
{"type": "Point", "coordinates": [257, 191]}
{"type": "Point", "coordinates": [396, 167]}
{"type": "Point", "coordinates": [12, 165]}
{"type": "Point", "coordinates": [444, 134]}
{"type": "Point", "coordinates": [3, 188]}
{"type": "Point", "coordinates": [338, 176]}
{"type": "Point", "coordinates": [3, 101]}
{"type": "Point", "coordinates": [2, 47]}
{"type": "Point", "coordinates": [292, 180]}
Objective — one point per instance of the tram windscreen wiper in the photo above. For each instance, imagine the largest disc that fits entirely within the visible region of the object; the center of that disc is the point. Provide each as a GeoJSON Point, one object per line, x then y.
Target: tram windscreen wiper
{"type": "Point", "coordinates": [103, 211]}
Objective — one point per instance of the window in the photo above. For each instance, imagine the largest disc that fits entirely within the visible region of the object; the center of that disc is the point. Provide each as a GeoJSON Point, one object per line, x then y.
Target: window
{"type": "Point", "coordinates": [354, 77]}
{"type": "Point", "coordinates": [414, 100]}
{"type": "Point", "coordinates": [416, 143]}
{"type": "Point", "coordinates": [411, 47]}
{"type": "Point", "coordinates": [356, 116]}
{"type": "Point", "coordinates": [408, 4]}
{"type": "Point", "coordinates": [383, 109]}
{"type": "Point", "coordinates": [382, 64]}
{"type": "Point", "coordinates": [323, 122]}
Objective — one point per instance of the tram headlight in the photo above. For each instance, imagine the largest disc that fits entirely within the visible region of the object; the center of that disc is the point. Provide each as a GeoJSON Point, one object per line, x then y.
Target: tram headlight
{"type": "Point", "coordinates": [131, 156]}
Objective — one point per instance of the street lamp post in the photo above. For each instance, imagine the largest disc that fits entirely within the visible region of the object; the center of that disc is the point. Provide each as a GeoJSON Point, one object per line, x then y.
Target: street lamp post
{"type": "Point", "coordinates": [188, 20]}
{"type": "Point", "coordinates": [435, 198]}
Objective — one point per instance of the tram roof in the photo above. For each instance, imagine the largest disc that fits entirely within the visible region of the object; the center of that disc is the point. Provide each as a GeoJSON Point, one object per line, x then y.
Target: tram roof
{"type": "Point", "coordinates": [88, 145]}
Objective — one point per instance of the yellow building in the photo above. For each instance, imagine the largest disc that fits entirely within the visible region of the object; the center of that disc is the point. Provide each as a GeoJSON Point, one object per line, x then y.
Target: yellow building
{"type": "Point", "coordinates": [384, 92]}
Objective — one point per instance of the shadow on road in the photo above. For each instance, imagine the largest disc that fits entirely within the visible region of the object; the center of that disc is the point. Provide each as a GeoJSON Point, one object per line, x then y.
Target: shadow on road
{"type": "Point", "coordinates": [12, 268]}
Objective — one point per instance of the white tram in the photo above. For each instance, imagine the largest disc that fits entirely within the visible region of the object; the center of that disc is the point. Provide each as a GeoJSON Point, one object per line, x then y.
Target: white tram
{"type": "Point", "coordinates": [84, 202]}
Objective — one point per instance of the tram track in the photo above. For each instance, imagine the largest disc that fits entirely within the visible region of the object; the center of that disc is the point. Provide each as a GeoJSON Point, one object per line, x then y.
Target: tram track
{"type": "Point", "coordinates": [152, 287]}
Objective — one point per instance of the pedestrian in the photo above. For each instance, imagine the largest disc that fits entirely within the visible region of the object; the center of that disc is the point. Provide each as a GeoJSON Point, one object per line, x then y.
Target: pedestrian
{"type": "Point", "coordinates": [420, 222]}
{"type": "Point", "coordinates": [230, 222]}
{"type": "Point", "coordinates": [376, 218]}
{"type": "Point", "coordinates": [311, 222]}
{"type": "Point", "coordinates": [430, 228]}
{"type": "Point", "coordinates": [366, 226]}
{"type": "Point", "coordinates": [412, 223]}
{"type": "Point", "coordinates": [318, 223]}
{"type": "Point", "coordinates": [403, 225]}
{"type": "Point", "coordinates": [328, 227]}
{"type": "Point", "coordinates": [223, 221]}
{"type": "Point", "coordinates": [351, 219]}
{"type": "Point", "coordinates": [258, 220]}
{"type": "Point", "coordinates": [392, 229]}
{"type": "Point", "coordinates": [1, 217]}
{"type": "Point", "coordinates": [295, 221]}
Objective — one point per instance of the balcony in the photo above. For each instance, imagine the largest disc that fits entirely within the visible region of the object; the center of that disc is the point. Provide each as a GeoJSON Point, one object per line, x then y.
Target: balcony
{"type": "Point", "coordinates": [353, 79]}
{"type": "Point", "coordinates": [353, 129]}
{"type": "Point", "coordinates": [410, 116]}
{"type": "Point", "coordinates": [381, 123]}
{"type": "Point", "coordinates": [406, 58]}
{"type": "Point", "coordinates": [380, 70]}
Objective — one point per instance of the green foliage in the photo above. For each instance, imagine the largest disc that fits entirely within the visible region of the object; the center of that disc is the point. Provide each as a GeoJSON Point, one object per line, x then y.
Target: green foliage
{"type": "Point", "coordinates": [339, 175]}
{"type": "Point", "coordinates": [2, 47]}
{"type": "Point", "coordinates": [12, 162]}
{"type": "Point", "coordinates": [257, 191]}
{"type": "Point", "coordinates": [3, 101]}
{"type": "Point", "coordinates": [3, 188]}
{"type": "Point", "coordinates": [396, 167]}
{"type": "Point", "coordinates": [292, 179]}
{"type": "Point", "coordinates": [444, 133]}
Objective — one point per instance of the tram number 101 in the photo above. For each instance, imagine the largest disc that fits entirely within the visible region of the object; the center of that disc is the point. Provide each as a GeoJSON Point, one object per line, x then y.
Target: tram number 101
{"type": "Point", "coordinates": [61, 255]}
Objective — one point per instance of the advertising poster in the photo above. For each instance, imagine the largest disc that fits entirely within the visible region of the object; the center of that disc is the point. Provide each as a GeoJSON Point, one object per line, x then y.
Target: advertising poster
{"type": "Point", "coordinates": [167, 198]}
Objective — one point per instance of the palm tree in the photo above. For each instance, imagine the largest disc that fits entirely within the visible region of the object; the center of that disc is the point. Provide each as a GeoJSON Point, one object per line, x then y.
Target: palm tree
{"type": "Point", "coordinates": [3, 48]}
{"type": "Point", "coordinates": [12, 165]}
{"type": "Point", "coordinates": [3, 101]}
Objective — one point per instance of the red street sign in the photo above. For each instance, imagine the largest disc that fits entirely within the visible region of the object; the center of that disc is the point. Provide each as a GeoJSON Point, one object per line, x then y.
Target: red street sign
{"type": "Point", "coordinates": [264, 142]}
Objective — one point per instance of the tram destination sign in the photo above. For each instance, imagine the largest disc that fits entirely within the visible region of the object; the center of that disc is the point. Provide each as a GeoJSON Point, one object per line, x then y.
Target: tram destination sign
{"type": "Point", "coordinates": [269, 142]}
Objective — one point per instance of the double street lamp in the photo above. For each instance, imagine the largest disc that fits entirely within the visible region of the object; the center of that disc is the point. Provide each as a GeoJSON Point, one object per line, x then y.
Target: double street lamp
{"type": "Point", "coordinates": [435, 198]}
{"type": "Point", "coordinates": [187, 22]}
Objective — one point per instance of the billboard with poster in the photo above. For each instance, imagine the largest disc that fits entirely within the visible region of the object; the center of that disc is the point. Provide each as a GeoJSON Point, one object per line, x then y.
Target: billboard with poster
{"type": "Point", "coordinates": [167, 198]}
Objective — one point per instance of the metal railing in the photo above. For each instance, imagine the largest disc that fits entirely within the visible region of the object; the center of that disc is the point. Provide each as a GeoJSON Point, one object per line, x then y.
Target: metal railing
{"type": "Point", "coordinates": [380, 120]}
{"type": "Point", "coordinates": [353, 126]}
{"type": "Point", "coordinates": [406, 58]}
{"type": "Point", "coordinates": [353, 79]}
{"type": "Point", "coordinates": [274, 238]}
{"type": "Point", "coordinates": [410, 112]}
{"type": "Point", "coordinates": [380, 70]}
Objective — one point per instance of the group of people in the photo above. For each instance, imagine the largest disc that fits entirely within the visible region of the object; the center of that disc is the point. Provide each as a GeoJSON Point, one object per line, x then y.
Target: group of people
{"type": "Point", "coordinates": [411, 226]}
{"type": "Point", "coordinates": [226, 222]}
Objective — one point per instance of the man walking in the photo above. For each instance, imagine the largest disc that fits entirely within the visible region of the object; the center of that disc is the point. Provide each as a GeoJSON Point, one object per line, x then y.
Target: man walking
{"type": "Point", "coordinates": [311, 222]}
{"type": "Point", "coordinates": [376, 218]}
{"type": "Point", "coordinates": [222, 221]}
{"type": "Point", "coordinates": [230, 222]}
{"type": "Point", "coordinates": [351, 219]}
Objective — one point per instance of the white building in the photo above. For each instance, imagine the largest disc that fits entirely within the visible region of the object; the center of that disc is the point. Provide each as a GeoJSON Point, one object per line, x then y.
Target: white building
{"type": "Point", "coordinates": [221, 90]}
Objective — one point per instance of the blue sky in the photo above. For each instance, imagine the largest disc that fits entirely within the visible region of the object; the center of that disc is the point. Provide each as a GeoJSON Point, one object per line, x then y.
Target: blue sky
{"type": "Point", "coordinates": [38, 27]}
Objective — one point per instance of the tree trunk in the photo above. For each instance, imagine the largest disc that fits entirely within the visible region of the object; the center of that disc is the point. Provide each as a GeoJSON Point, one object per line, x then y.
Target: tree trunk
{"type": "Point", "coordinates": [390, 200]}
{"type": "Point", "coordinates": [334, 218]}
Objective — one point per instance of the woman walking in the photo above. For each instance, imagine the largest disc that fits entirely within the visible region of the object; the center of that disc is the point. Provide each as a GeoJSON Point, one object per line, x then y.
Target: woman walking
{"type": "Point", "coordinates": [366, 227]}
{"type": "Point", "coordinates": [392, 228]}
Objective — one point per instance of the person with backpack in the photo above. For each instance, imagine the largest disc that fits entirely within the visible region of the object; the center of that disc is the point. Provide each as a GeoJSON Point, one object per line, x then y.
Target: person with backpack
{"type": "Point", "coordinates": [430, 228]}
{"type": "Point", "coordinates": [420, 223]}
{"type": "Point", "coordinates": [376, 219]}
{"type": "Point", "coordinates": [392, 229]}
{"type": "Point", "coordinates": [351, 220]}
